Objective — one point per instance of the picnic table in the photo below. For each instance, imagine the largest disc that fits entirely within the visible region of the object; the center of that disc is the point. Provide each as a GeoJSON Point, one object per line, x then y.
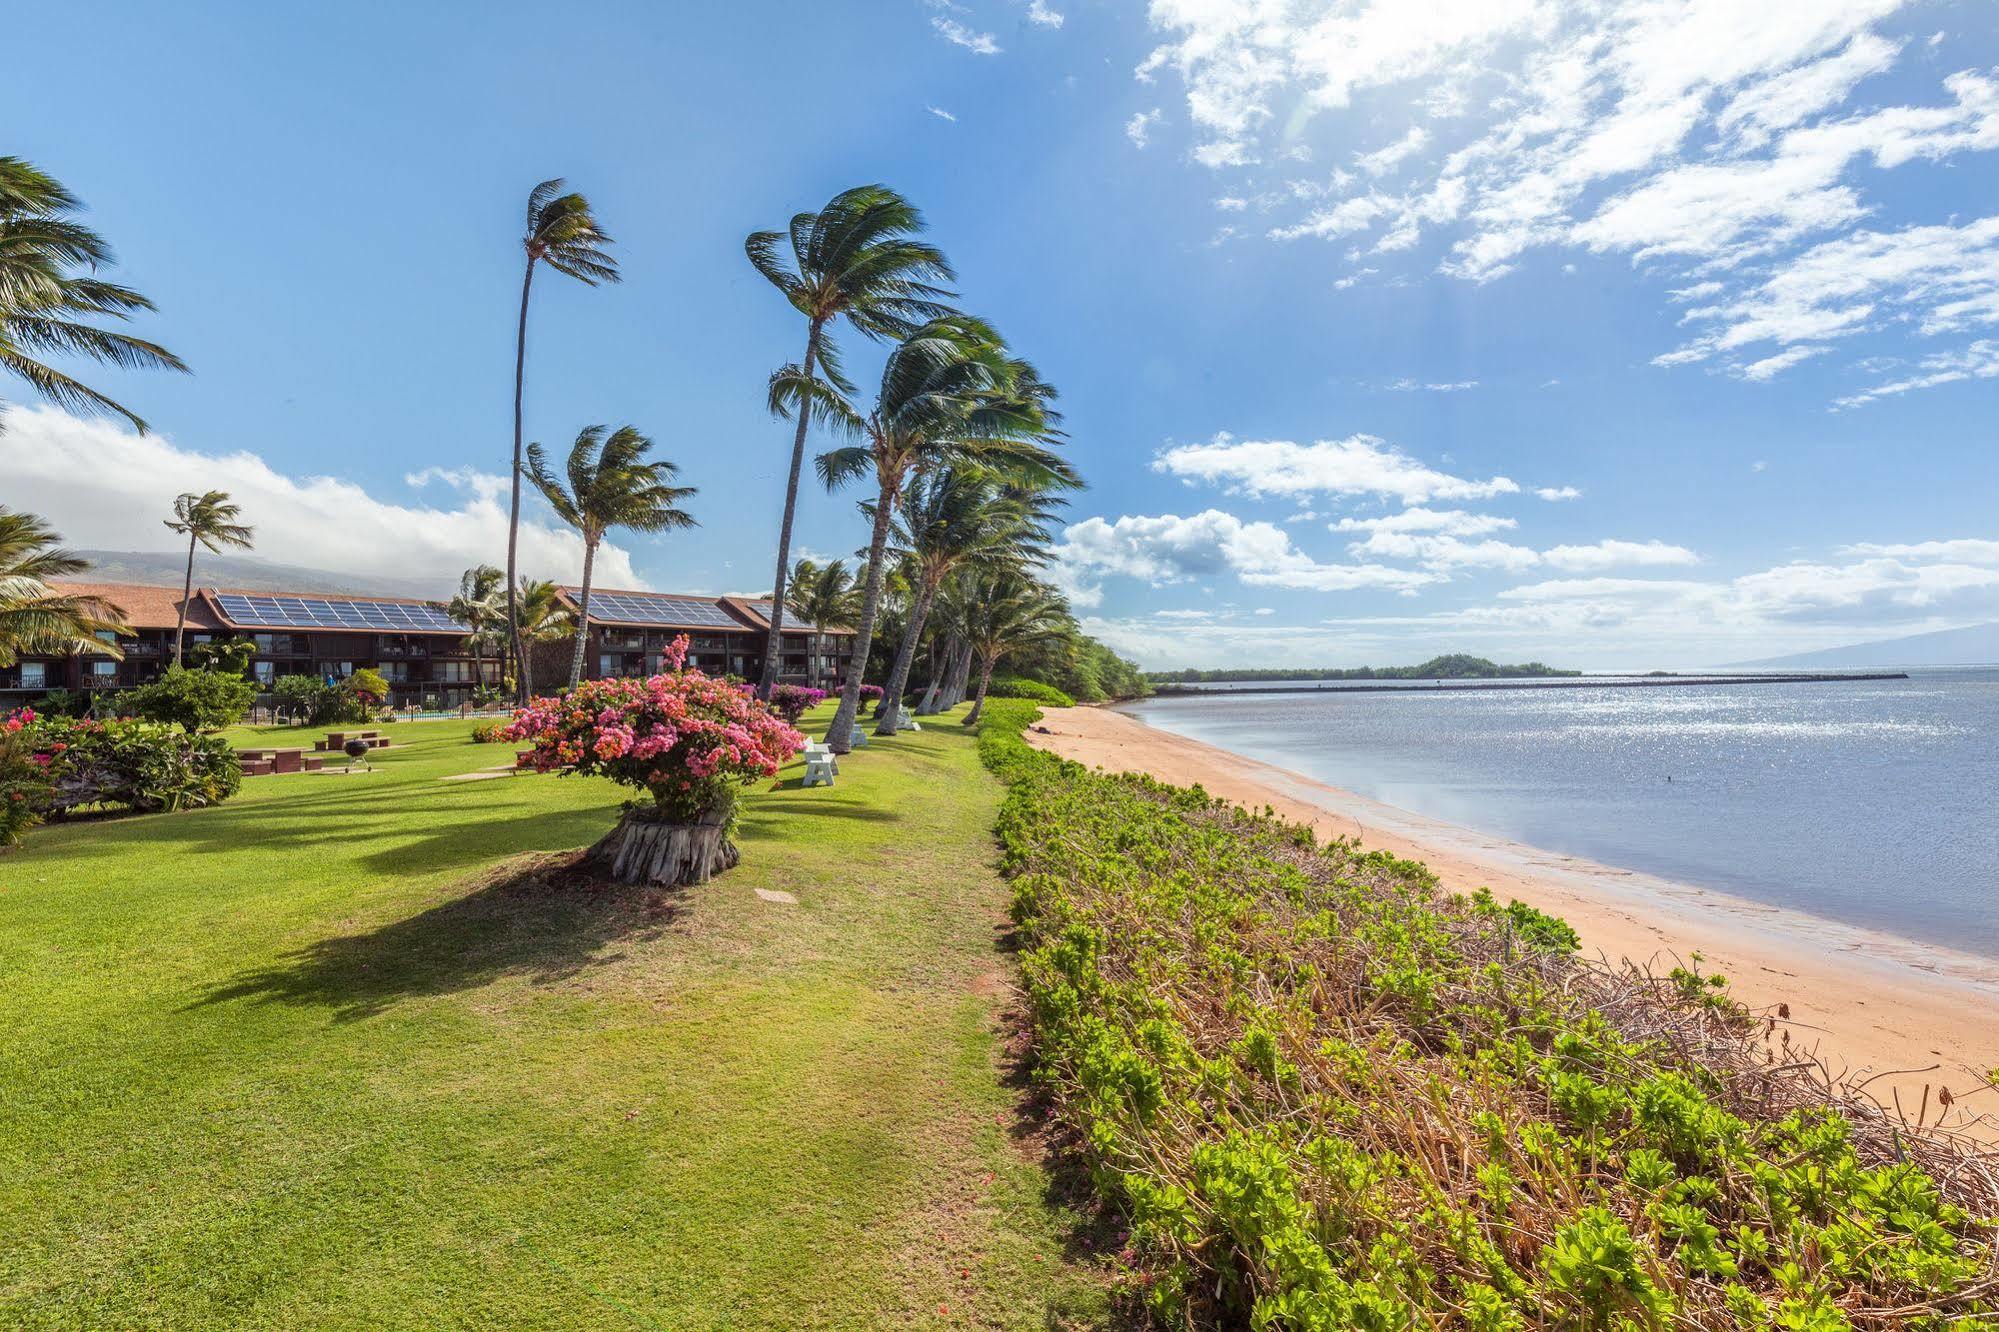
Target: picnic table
{"type": "Point", "coordinates": [259, 762]}
{"type": "Point", "coordinates": [336, 741]}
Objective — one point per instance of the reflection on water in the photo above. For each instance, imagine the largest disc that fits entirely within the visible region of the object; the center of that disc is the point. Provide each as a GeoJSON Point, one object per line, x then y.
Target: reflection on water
{"type": "Point", "coordinates": [1875, 804]}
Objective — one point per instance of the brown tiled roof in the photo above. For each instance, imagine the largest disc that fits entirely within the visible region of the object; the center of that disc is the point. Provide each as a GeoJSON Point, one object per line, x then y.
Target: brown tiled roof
{"type": "Point", "coordinates": [145, 606]}
{"type": "Point", "coordinates": [756, 612]}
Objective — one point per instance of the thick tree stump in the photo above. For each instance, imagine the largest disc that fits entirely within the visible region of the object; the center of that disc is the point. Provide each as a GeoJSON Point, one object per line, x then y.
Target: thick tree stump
{"type": "Point", "coordinates": [646, 849]}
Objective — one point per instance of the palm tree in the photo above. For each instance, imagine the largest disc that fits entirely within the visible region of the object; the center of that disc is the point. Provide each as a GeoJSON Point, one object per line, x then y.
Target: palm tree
{"type": "Point", "coordinates": [822, 595]}
{"type": "Point", "coordinates": [47, 287]}
{"type": "Point", "coordinates": [609, 486]}
{"type": "Point", "coordinates": [34, 617]}
{"type": "Point", "coordinates": [562, 233]}
{"type": "Point", "coordinates": [856, 259]}
{"type": "Point", "coordinates": [542, 618]}
{"type": "Point", "coordinates": [1009, 612]}
{"type": "Point", "coordinates": [948, 392]}
{"type": "Point", "coordinates": [475, 607]}
{"type": "Point", "coordinates": [210, 520]}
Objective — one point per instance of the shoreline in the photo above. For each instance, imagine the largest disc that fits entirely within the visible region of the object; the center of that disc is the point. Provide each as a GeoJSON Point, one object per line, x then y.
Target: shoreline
{"type": "Point", "coordinates": [1911, 1017]}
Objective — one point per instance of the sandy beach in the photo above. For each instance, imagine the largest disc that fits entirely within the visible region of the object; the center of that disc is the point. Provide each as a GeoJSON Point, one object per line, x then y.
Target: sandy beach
{"type": "Point", "coordinates": [1906, 1018]}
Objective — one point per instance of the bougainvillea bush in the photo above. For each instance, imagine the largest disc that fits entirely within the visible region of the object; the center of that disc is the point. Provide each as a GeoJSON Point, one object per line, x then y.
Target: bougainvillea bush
{"type": "Point", "coordinates": [687, 739]}
{"type": "Point", "coordinates": [51, 766]}
{"type": "Point", "coordinates": [791, 701]}
{"type": "Point", "coordinates": [871, 694]}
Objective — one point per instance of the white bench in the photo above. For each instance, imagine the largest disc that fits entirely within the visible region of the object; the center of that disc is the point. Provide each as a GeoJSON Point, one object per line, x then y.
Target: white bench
{"type": "Point", "coordinates": [819, 770]}
{"type": "Point", "coordinates": [817, 749]}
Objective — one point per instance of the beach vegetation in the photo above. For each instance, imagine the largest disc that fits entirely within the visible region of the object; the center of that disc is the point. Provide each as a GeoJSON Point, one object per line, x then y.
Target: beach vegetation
{"type": "Point", "coordinates": [561, 232]}
{"type": "Point", "coordinates": [1016, 686]}
{"type": "Point", "coordinates": [608, 484]}
{"type": "Point", "coordinates": [51, 288]}
{"type": "Point", "coordinates": [1323, 1093]}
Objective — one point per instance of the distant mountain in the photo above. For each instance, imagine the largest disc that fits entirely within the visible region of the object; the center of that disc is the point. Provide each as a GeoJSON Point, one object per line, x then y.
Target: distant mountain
{"type": "Point", "coordinates": [245, 573]}
{"type": "Point", "coordinates": [1975, 645]}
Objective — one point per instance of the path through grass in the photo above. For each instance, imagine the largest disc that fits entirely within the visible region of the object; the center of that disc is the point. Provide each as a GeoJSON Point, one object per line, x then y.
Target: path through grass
{"type": "Point", "coordinates": [339, 1054]}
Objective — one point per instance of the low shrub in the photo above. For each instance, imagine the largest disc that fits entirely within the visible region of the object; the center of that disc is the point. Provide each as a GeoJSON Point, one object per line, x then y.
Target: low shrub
{"type": "Point", "coordinates": [871, 698]}
{"type": "Point", "coordinates": [1015, 686]}
{"type": "Point", "coordinates": [792, 701]}
{"type": "Point", "coordinates": [195, 700]}
{"type": "Point", "coordinates": [24, 778]}
{"type": "Point", "coordinates": [309, 699]}
{"type": "Point", "coordinates": [1325, 1094]}
{"type": "Point", "coordinates": [491, 732]}
{"type": "Point", "coordinates": [141, 765]}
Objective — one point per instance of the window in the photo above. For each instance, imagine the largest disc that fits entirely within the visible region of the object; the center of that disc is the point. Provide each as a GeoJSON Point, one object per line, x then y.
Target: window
{"type": "Point", "coordinates": [265, 670]}
{"type": "Point", "coordinates": [104, 670]}
{"type": "Point", "coordinates": [452, 672]}
{"type": "Point", "coordinates": [34, 675]}
{"type": "Point", "coordinates": [606, 666]}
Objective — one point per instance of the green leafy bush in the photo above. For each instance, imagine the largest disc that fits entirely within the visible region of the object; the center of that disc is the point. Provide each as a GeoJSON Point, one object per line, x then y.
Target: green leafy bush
{"type": "Point", "coordinates": [24, 778]}
{"type": "Point", "coordinates": [194, 700]}
{"type": "Point", "coordinates": [308, 698]}
{"type": "Point", "coordinates": [1015, 686]}
{"type": "Point", "coordinates": [1327, 1095]}
{"type": "Point", "coordinates": [491, 732]}
{"type": "Point", "coordinates": [141, 765]}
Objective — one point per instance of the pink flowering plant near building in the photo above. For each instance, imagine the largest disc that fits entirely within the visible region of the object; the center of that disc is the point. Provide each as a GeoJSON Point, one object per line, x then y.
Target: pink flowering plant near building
{"type": "Point", "coordinates": [687, 739]}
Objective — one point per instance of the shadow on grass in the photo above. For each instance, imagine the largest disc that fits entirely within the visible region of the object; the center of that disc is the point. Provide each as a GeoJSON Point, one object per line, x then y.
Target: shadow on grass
{"type": "Point", "coordinates": [545, 920]}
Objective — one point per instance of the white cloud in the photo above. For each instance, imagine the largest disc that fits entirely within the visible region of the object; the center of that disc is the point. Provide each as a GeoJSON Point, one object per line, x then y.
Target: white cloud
{"type": "Point", "coordinates": [1169, 548]}
{"type": "Point", "coordinates": [1039, 12]}
{"type": "Point", "coordinates": [1556, 494]}
{"type": "Point", "coordinates": [942, 114]}
{"type": "Point", "coordinates": [1611, 554]}
{"type": "Point", "coordinates": [1230, 204]}
{"type": "Point", "coordinates": [1412, 386]}
{"type": "Point", "coordinates": [1733, 141]}
{"type": "Point", "coordinates": [1443, 522]}
{"type": "Point", "coordinates": [1980, 360]}
{"type": "Point", "coordinates": [104, 487]}
{"type": "Point", "coordinates": [1357, 465]}
{"type": "Point", "coordinates": [1964, 550]}
{"type": "Point", "coordinates": [1139, 128]}
{"type": "Point", "coordinates": [956, 33]}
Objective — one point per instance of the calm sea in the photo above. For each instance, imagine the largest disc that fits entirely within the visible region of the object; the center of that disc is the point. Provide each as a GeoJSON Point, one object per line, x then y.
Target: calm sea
{"type": "Point", "coordinates": [1873, 803]}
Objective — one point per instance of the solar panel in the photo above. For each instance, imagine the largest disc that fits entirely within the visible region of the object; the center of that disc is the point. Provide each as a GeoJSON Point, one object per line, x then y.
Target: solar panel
{"type": "Point", "coordinates": [643, 608]}
{"type": "Point", "coordinates": [277, 612]}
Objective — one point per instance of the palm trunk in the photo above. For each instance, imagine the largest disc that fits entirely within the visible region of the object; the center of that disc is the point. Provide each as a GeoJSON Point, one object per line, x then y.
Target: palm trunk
{"type": "Point", "coordinates": [940, 668]}
{"type": "Point", "coordinates": [776, 644]}
{"type": "Point", "coordinates": [889, 719]}
{"type": "Point", "coordinates": [186, 591]}
{"type": "Point", "coordinates": [524, 676]}
{"type": "Point", "coordinates": [840, 735]}
{"type": "Point", "coordinates": [985, 683]}
{"type": "Point", "coordinates": [514, 516]}
{"type": "Point", "coordinates": [582, 616]}
{"type": "Point", "coordinates": [958, 673]}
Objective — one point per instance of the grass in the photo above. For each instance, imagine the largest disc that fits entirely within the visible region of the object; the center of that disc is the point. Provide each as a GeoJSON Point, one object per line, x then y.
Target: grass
{"type": "Point", "coordinates": [351, 1052]}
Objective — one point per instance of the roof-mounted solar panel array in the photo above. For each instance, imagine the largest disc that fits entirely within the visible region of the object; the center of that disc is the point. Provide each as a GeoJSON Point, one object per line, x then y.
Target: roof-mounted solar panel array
{"type": "Point", "coordinates": [273, 612]}
{"type": "Point", "coordinates": [645, 608]}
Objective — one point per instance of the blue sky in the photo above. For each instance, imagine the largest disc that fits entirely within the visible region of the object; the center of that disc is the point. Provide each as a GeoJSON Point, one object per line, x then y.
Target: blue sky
{"type": "Point", "coordinates": [1332, 292]}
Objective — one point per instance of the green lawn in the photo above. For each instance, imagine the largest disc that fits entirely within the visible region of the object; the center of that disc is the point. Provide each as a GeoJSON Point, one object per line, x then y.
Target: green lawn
{"type": "Point", "coordinates": [334, 1055]}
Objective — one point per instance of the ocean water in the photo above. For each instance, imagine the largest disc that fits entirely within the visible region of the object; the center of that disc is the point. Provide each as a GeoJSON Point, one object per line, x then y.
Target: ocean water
{"type": "Point", "coordinates": [1872, 803]}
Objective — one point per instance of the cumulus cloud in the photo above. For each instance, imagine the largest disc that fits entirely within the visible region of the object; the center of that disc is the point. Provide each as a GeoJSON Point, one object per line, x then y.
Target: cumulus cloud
{"type": "Point", "coordinates": [1038, 12]}
{"type": "Point", "coordinates": [102, 486]}
{"type": "Point", "coordinates": [1139, 128]}
{"type": "Point", "coordinates": [1202, 547]}
{"type": "Point", "coordinates": [1732, 142]}
{"type": "Point", "coordinates": [1611, 554]}
{"type": "Point", "coordinates": [1356, 465]}
{"type": "Point", "coordinates": [1556, 494]}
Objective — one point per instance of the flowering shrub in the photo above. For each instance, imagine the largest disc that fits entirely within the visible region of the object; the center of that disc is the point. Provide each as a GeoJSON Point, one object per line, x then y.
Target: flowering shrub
{"type": "Point", "coordinates": [791, 701]}
{"type": "Point", "coordinates": [687, 739]}
{"type": "Point", "coordinates": [54, 765]}
{"type": "Point", "coordinates": [24, 779]}
{"type": "Point", "coordinates": [871, 694]}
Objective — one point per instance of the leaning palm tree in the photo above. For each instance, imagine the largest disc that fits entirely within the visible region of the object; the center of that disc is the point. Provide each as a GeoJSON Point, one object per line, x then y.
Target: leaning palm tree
{"type": "Point", "coordinates": [475, 607]}
{"type": "Point", "coordinates": [48, 287]}
{"type": "Point", "coordinates": [609, 485]}
{"type": "Point", "coordinates": [948, 392]}
{"type": "Point", "coordinates": [1009, 612]}
{"type": "Point", "coordinates": [542, 619]}
{"type": "Point", "coordinates": [34, 616]}
{"type": "Point", "coordinates": [856, 259]}
{"type": "Point", "coordinates": [562, 233]}
{"type": "Point", "coordinates": [208, 520]}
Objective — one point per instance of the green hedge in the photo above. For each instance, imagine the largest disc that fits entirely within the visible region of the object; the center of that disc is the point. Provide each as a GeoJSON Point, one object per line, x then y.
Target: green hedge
{"type": "Point", "coordinates": [1015, 686]}
{"type": "Point", "coordinates": [1327, 1095]}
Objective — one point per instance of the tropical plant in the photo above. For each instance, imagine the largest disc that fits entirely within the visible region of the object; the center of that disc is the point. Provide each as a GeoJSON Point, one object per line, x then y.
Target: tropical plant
{"type": "Point", "coordinates": [193, 700]}
{"type": "Point", "coordinates": [477, 607]}
{"type": "Point", "coordinates": [49, 287]}
{"type": "Point", "coordinates": [856, 259]}
{"type": "Point", "coordinates": [688, 740]}
{"type": "Point", "coordinates": [609, 486]}
{"type": "Point", "coordinates": [303, 698]}
{"type": "Point", "coordinates": [949, 392]}
{"type": "Point", "coordinates": [562, 233]}
{"type": "Point", "coordinates": [1008, 611]}
{"type": "Point", "coordinates": [540, 617]}
{"type": "Point", "coordinates": [823, 596]}
{"type": "Point", "coordinates": [792, 701]}
{"type": "Point", "coordinates": [208, 520]}
{"type": "Point", "coordinates": [35, 617]}
{"type": "Point", "coordinates": [367, 686]}
{"type": "Point", "coordinates": [24, 778]}
{"type": "Point", "coordinates": [143, 765]}
{"type": "Point", "coordinates": [232, 656]}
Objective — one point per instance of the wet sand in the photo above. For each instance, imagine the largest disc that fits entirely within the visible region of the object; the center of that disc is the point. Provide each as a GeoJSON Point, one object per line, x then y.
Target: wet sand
{"type": "Point", "coordinates": [1871, 1006]}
